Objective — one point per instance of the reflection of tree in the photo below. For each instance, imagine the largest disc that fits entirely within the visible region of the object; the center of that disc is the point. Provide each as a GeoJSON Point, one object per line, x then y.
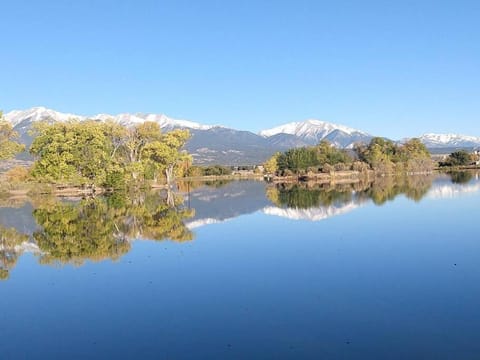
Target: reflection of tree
{"type": "Point", "coordinates": [102, 228]}
{"type": "Point", "coordinates": [152, 216]}
{"type": "Point", "coordinates": [388, 188]}
{"type": "Point", "coordinates": [75, 232]}
{"type": "Point", "coordinates": [461, 177]}
{"type": "Point", "coordinates": [10, 239]}
{"type": "Point", "coordinates": [306, 196]}
{"type": "Point", "coordinates": [186, 186]}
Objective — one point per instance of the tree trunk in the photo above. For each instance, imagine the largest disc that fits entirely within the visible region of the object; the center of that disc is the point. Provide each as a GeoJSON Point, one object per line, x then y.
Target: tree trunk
{"type": "Point", "coordinates": [169, 174]}
{"type": "Point", "coordinates": [170, 198]}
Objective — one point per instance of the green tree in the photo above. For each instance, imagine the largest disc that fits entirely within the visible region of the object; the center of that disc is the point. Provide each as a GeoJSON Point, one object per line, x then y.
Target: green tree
{"type": "Point", "coordinates": [108, 154]}
{"type": "Point", "coordinates": [165, 154]}
{"type": "Point", "coordinates": [74, 151]}
{"type": "Point", "coordinates": [271, 165]}
{"type": "Point", "coordinates": [459, 158]}
{"type": "Point", "coordinates": [8, 144]}
{"type": "Point", "coordinates": [414, 156]}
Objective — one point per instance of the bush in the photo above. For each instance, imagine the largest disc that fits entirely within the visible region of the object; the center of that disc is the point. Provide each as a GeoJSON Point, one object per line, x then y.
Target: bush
{"type": "Point", "coordinates": [18, 174]}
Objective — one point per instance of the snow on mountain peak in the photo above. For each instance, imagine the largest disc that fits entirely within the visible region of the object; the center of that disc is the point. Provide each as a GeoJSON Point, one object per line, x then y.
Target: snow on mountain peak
{"type": "Point", "coordinates": [310, 128]}
{"type": "Point", "coordinates": [165, 121]}
{"type": "Point", "coordinates": [41, 113]}
{"type": "Point", "coordinates": [432, 139]}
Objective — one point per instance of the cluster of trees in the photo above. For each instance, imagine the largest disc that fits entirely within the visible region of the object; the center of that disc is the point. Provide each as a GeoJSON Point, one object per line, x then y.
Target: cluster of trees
{"type": "Point", "coordinates": [459, 158]}
{"type": "Point", "coordinates": [381, 155]}
{"type": "Point", "coordinates": [100, 153]}
{"type": "Point", "coordinates": [212, 170]}
{"type": "Point", "coordinates": [106, 153]}
{"type": "Point", "coordinates": [385, 156]}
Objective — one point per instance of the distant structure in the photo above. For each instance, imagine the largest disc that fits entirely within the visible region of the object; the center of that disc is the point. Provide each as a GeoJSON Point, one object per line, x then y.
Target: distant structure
{"type": "Point", "coordinates": [476, 152]}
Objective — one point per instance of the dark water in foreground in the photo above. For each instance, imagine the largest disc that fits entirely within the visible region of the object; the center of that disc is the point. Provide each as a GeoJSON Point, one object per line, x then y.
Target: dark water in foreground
{"type": "Point", "coordinates": [246, 270]}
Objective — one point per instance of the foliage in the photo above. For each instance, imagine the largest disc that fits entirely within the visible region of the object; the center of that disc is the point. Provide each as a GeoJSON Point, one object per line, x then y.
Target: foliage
{"type": "Point", "coordinates": [271, 165]}
{"type": "Point", "coordinates": [71, 152]}
{"type": "Point", "coordinates": [386, 157]}
{"type": "Point", "coordinates": [300, 160]}
{"type": "Point", "coordinates": [106, 154]}
{"type": "Point", "coordinates": [17, 174]}
{"type": "Point", "coordinates": [216, 170]}
{"type": "Point", "coordinates": [8, 146]}
{"type": "Point", "coordinates": [458, 158]}
{"type": "Point", "coordinates": [163, 154]}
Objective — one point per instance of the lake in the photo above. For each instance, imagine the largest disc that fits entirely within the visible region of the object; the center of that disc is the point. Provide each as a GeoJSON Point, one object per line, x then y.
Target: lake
{"type": "Point", "coordinates": [246, 269]}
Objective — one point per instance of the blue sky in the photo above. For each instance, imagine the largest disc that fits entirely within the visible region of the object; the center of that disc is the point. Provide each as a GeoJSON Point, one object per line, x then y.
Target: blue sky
{"type": "Point", "coordinates": [392, 68]}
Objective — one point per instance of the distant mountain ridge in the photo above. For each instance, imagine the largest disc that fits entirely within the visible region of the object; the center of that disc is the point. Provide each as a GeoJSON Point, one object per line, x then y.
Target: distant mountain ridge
{"type": "Point", "coordinates": [215, 144]}
{"type": "Point", "coordinates": [449, 140]}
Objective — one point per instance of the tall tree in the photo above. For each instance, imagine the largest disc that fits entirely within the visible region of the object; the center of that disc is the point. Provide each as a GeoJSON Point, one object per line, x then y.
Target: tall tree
{"type": "Point", "coordinates": [166, 153]}
{"type": "Point", "coordinates": [72, 152]}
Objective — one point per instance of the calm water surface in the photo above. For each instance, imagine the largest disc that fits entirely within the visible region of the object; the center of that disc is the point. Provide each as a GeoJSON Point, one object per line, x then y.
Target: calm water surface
{"type": "Point", "coordinates": [246, 270]}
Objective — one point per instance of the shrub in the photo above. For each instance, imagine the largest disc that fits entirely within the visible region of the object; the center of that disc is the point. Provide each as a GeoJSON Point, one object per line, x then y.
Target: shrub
{"type": "Point", "coordinates": [18, 174]}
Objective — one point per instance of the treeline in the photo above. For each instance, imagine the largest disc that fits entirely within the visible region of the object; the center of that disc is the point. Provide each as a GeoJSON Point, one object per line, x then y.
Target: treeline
{"type": "Point", "coordinates": [212, 170]}
{"type": "Point", "coordinates": [460, 158]}
{"type": "Point", "coordinates": [100, 153]}
{"type": "Point", "coordinates": [380, 155]}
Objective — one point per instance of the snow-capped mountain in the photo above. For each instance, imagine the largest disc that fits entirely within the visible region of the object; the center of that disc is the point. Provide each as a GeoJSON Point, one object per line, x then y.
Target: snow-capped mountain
{"type": "Point", "coordinates": [449, 140]}
{"type": "Point", "coordinates": [313, 131]}
{"type": "Point", "coordinates": [26, 117]}
{"type": "Point", "coordinates": [211, 144]}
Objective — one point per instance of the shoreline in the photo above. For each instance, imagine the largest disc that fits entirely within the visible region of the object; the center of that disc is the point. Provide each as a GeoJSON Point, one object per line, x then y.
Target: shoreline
{"type": "Point", "coordinates": [27, 189]}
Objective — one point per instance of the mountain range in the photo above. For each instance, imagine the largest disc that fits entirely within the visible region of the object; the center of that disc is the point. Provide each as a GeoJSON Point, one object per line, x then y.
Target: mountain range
{"type": "Point", "coordinates": [215, 144]}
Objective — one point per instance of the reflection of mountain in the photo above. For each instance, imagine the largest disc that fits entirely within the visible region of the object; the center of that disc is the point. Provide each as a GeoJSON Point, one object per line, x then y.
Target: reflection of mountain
{"type": "Point", "coordinates": [313, 214]}
{"type": "Point", "coordinates": [444, 188]}
{"type": "Point", "coordinates": [104, 227]}
{"type": "Point", "coordinates": [216, 205]}
{"type": "Point", "coordinates": [213, 205]}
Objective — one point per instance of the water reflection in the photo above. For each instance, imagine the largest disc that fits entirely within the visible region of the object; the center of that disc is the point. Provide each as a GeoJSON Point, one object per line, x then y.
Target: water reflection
{"type": "Point", "coordinates": [72, 231]}
{"type": "Point", "coordinates": [316, 202]}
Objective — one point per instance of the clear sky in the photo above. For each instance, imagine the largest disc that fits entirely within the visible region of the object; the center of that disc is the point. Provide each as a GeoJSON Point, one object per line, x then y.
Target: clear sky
{"type": "Point", "coordinates": [392, 68]}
